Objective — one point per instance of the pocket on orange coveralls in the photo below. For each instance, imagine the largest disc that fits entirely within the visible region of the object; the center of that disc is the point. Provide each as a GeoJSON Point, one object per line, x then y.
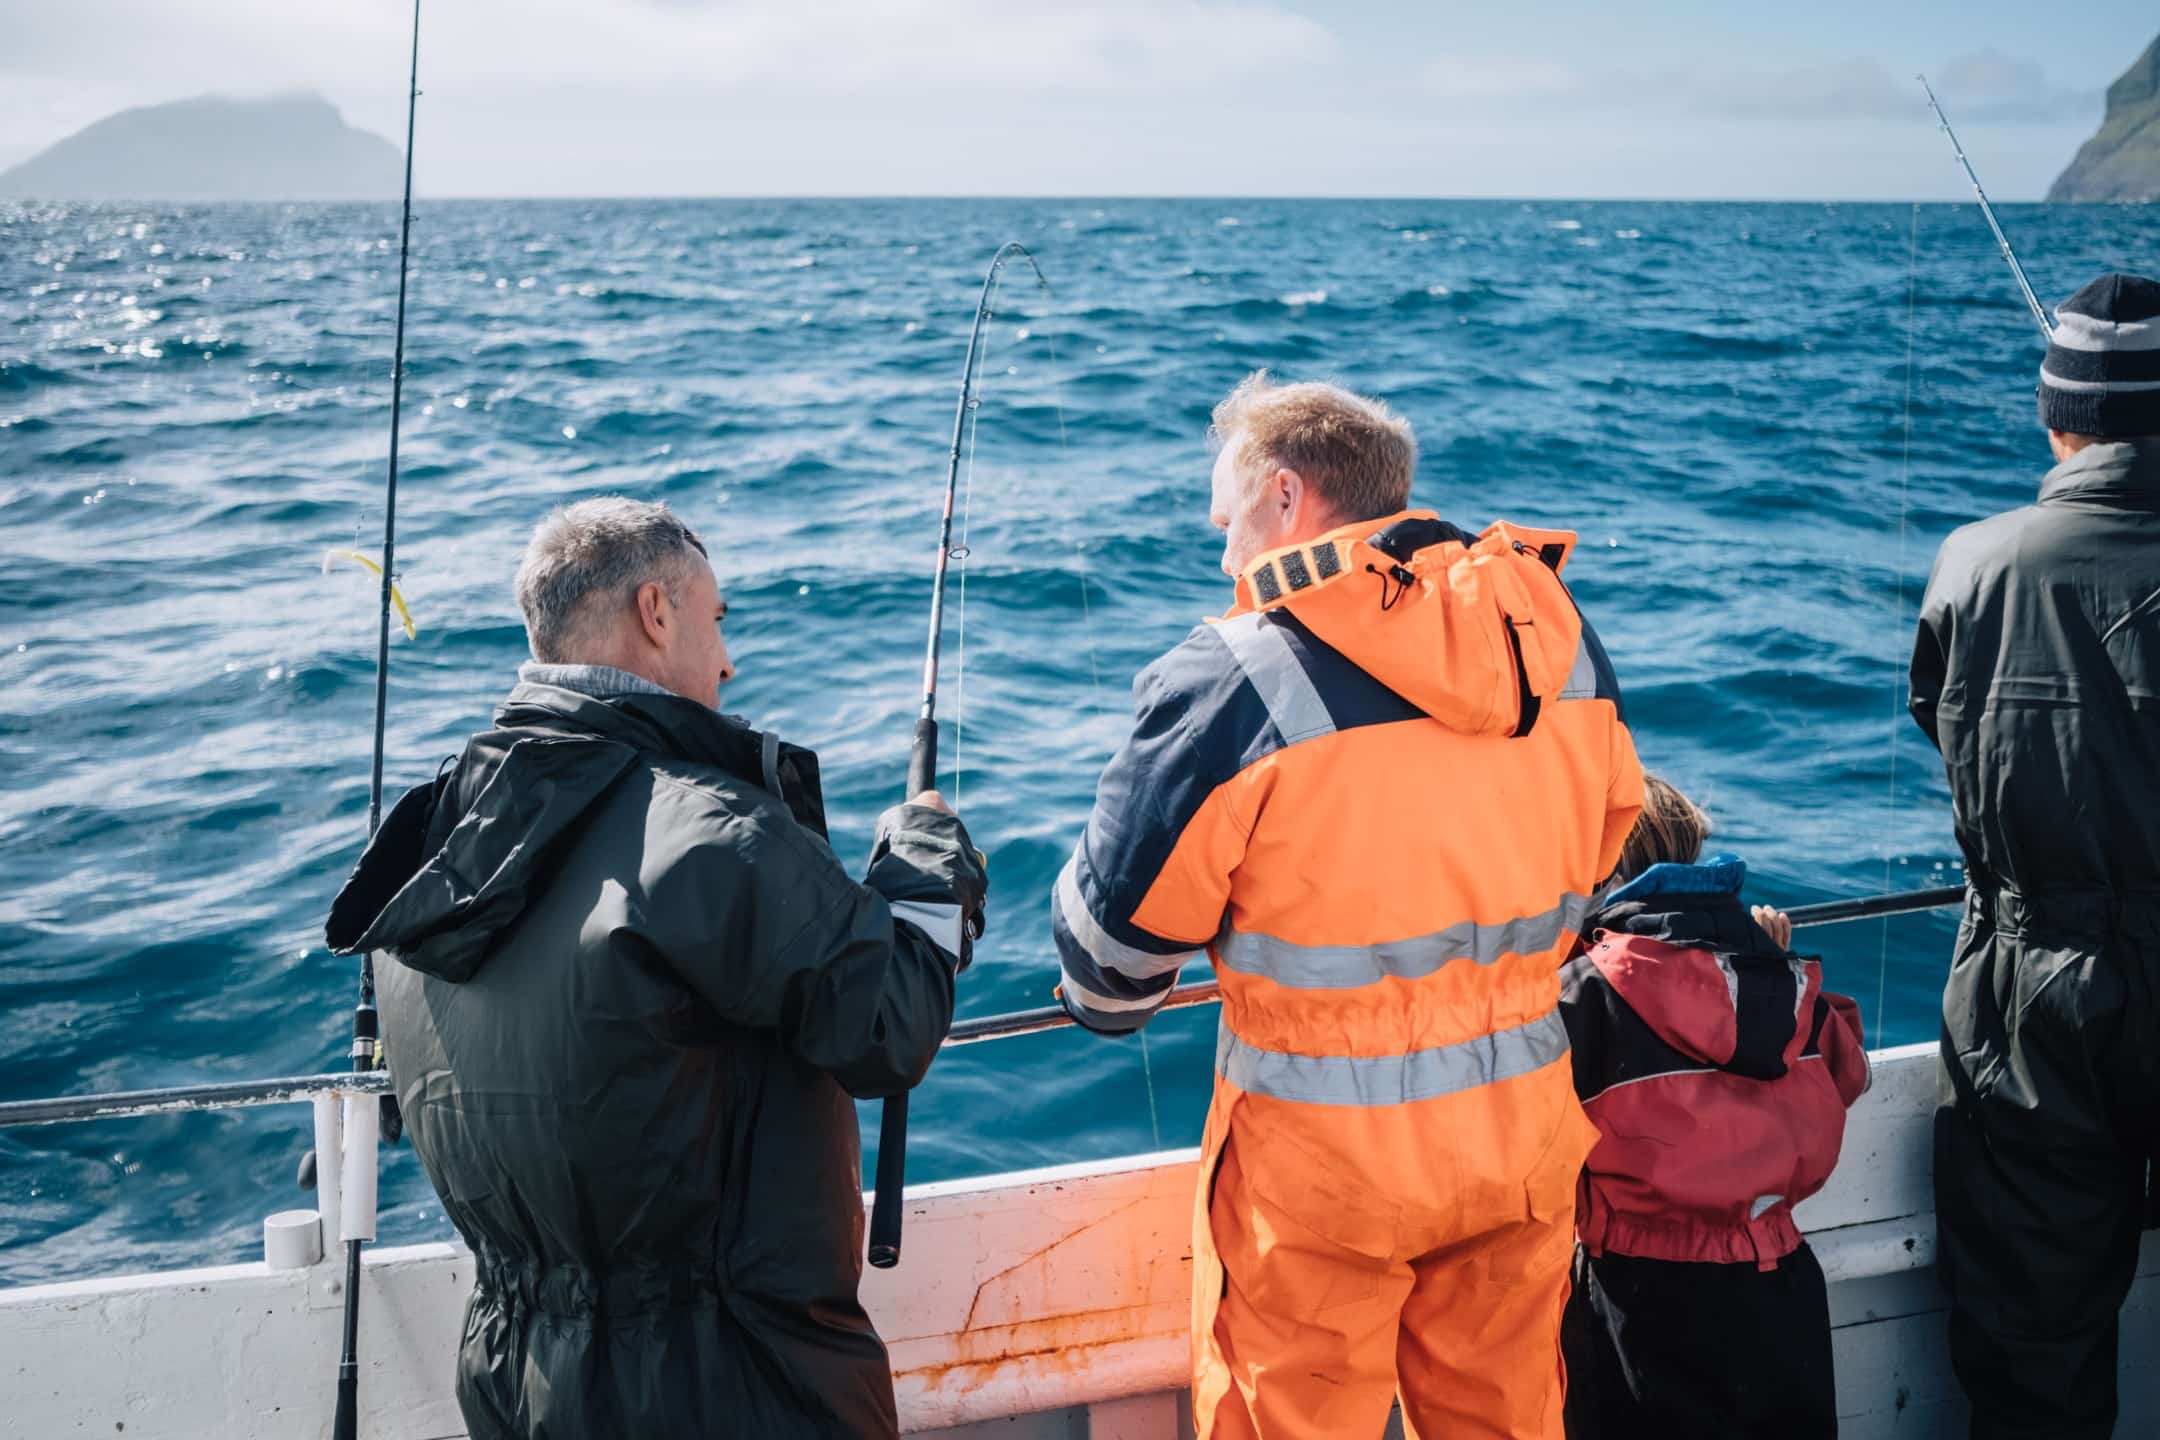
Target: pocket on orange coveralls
{"type": "Point", "coordinates": [1296, 1235]}
{"type": "Point", "coordinates": [1549, 1189]}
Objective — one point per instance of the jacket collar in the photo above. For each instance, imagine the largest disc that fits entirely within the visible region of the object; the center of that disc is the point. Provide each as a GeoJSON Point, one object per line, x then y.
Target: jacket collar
{"type": "Point", "coordinates": [1477, 631]}
{"type": "Point", "coordinates": [1281, 576]}
{"type": "Point", "coordinates": [2110, 468]}
{"type": "Point", "coordinates": [598, 681]}
{"type": "Point", "coordinates": [1723, 875]}
{"type": "Point", "coordinates": [667, 724]}
{"type": "Point", "coordinates": [660, 722]}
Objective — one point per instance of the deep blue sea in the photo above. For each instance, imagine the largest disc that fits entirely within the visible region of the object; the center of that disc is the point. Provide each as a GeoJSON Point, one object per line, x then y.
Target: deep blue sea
{"type": "Point", "coordinates": [194, 409]}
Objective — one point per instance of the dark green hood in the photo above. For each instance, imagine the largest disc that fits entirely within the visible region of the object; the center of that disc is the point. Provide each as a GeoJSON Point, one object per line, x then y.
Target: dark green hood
{"type": "Point", "coordinates": [441, 908]}
{"type": "Point", "coordinates": [456, 861]}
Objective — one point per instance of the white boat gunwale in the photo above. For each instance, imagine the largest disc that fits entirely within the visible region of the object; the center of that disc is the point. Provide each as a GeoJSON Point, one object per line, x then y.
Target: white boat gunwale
{"type": "Point", "coordinates": [1059, 1293]}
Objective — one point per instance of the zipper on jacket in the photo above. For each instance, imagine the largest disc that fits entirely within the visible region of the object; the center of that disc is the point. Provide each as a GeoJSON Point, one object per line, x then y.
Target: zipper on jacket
{"type": "Point", "coordinates": [1527, 701]}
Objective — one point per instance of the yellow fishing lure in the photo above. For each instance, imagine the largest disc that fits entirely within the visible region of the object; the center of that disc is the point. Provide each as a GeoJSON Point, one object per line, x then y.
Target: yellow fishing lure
{"type": "Point", "coordinates": [369, 563]}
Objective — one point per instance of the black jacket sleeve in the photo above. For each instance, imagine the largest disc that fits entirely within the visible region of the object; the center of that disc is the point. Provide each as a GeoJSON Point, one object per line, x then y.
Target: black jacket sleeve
{"type": "Point", "coordinates": [1930, 658]}
{"type": "Point", "coordinates": [762, 923]}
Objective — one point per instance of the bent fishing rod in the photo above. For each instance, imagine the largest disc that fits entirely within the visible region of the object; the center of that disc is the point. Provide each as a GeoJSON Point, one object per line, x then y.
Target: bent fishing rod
{"type": "Point", "coordinates": [361, 1114]}
{"type": "Point", "coordinates": [231, 1094]}
{"type": "Point", "coordinates": [2032, 301]}
{"type": "Point", "coordinates": [922, 758]}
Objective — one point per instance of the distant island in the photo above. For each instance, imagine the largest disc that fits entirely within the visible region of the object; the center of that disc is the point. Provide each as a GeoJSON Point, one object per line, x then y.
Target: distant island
{"type": "Point", "coordinates": [2122, 162]}
{"type": "Point", "coordinates": [214, 148]}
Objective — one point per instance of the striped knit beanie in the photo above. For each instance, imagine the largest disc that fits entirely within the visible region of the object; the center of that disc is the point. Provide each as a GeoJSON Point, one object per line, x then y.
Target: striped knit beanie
{"type": "Point", "coordinates": [2102, 372]}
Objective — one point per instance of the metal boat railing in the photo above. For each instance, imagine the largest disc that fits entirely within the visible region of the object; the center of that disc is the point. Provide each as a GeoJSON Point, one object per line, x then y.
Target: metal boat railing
{"type": "Point", "coordinates": [238, 1094]}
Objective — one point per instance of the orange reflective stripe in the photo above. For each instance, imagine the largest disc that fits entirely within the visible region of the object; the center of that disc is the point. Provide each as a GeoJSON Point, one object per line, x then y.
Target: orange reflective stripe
{"type": "Point", "coordinates": [1371, 1080]}
{"type": "Point", "coordinates": [1345, 967]}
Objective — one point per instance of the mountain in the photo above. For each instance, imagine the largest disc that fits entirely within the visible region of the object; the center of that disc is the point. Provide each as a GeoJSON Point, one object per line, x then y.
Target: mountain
{"type": "Point", "coordinates": [214, 148]}
{"type": "Point", "coordinates": [2122, 162]}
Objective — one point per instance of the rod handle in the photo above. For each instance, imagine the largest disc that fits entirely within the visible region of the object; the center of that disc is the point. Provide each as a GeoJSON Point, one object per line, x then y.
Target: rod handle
{"type": "Point", "coordinates": [345, 1421]}
{"type": "Point", "coordinates": [922, 759]}
{"type": "Point", "coordinates": [891, 1180]}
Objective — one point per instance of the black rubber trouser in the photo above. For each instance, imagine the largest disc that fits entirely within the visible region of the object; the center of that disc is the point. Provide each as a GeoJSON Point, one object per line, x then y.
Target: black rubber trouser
{"type": "Point", "coordinates": [2051, 1045]}
{"type": "Point", "coordinates": [1677, 1351]}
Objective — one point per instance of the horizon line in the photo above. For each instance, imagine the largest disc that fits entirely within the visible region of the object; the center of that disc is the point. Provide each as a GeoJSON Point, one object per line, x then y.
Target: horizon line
{"type": "Point", "coordinates": [1075, 198]}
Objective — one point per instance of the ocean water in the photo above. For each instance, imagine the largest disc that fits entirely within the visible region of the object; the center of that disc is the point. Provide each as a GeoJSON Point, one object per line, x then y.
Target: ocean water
{"type": "Point", "coordinates": [193, 410]}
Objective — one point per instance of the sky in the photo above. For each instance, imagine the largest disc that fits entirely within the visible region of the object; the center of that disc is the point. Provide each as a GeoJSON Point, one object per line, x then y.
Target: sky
{"type": "Point", "coordinates": [1528, 98]}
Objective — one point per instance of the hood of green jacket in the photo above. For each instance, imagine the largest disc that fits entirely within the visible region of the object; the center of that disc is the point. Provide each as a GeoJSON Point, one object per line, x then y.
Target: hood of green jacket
{"type": "Point", "coordinates": [456, 861]}
{"type": "Point", "coordinates": [441, 908]}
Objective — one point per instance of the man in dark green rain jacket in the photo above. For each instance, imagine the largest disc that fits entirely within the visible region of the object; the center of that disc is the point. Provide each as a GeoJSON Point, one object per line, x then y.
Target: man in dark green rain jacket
{"type": "Point", "coordinates": [627, 994]}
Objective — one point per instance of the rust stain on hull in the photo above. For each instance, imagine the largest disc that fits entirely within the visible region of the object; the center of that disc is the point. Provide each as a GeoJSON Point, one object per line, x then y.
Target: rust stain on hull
{"type": "Point", "coordinates": [1060, 1345]}
{"type": "Point", "coordinates": [1038, 1256]}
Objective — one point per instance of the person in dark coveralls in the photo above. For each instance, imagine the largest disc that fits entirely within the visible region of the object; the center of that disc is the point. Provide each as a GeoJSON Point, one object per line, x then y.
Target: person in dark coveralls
{"type": "Point", "coordinates": [2037, 674]}
{"type": "Point", "coordinates": [627, 992]}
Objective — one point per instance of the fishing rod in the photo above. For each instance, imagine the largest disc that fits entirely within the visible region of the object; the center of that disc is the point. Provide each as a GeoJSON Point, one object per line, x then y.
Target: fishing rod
{"type": "Point", "coordinates": [1833, 912]}
{"type": "Point", "coordinates": [922, 758]}
{"type": "Point", "coordinates": [2032, 301]}
{"type": "Point", "coordinates": [361, 1118]}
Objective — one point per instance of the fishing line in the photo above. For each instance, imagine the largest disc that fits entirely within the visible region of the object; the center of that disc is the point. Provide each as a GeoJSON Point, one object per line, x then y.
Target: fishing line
{"type": "Point", "coordinates": [967, 514]}
{"type": "Point", "coordinates": [1087, 628]}
{"type": "Point", "coordinates": [1087, 614]}
{"type": "Point", "coordinates": [1897, 689]}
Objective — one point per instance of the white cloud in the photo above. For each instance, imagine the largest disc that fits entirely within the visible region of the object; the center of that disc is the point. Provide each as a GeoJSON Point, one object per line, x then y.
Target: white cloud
{"type": "Point", "coordinates": [689, 97]}
{"type": "Point", "coordinates": [1053, 46]}
{"type": "Point", "coordinates": [677, 96]}
{"type": "Point", "coordinates": [1491, 77]}
{"type": "Point", "coordinates": [1983, 86]}
{"type": "Point", "coordinates": [1989, 85]}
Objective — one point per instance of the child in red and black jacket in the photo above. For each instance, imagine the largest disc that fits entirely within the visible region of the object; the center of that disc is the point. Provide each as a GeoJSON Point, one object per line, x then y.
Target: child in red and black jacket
{"type": "Point", "coordinates": [1718, 1072]}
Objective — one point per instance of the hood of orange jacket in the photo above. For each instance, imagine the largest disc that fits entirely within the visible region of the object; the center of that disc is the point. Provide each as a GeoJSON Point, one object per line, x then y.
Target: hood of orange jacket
{"type": "Point", "coordinates": [1475, 630]}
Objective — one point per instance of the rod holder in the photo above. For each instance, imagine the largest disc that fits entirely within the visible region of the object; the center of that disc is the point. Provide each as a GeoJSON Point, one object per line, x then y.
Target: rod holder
{"type": "Point", "coordinates": [329, 1164]}
{"type": "Point", "coordinates": [292, 1239]}
{"type": "Point", "coordinates": [362, 1122]}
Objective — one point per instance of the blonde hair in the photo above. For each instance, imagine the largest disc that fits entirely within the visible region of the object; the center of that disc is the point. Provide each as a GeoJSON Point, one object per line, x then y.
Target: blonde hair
{"type": "Point", "coordinates": [1357, 454]}
{"type": "Point", "coordinates": [1672, 828]}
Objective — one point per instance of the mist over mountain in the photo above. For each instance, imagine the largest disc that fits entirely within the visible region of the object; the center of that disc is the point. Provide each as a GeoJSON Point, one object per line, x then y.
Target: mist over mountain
{"type": "Point", "coordinates": [2122, 161]}
{"type": "Point", "coordinates": [214, 148]}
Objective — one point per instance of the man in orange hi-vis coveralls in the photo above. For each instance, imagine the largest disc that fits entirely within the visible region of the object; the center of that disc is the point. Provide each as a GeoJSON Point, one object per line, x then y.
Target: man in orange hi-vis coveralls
{"type": "Point", "coordinates": [1380, 794]}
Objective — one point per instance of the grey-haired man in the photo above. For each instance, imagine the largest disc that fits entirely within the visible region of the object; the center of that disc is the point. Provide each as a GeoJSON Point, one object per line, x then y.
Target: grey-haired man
{"type": "Point", "coordinates": [2037, 673]}
{"type": "Point", "coordinates": [627, 994]}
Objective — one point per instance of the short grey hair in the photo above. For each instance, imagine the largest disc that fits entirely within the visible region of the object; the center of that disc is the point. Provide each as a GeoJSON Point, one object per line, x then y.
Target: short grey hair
{"type": "Point", "coordinates": [590, 551]}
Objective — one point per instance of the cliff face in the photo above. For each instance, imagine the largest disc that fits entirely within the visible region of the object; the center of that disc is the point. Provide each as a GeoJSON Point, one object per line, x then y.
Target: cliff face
{"type": "Point", "coordinates": [2122, 162]}
{"type": "Point", "coordinates": [214, 149]}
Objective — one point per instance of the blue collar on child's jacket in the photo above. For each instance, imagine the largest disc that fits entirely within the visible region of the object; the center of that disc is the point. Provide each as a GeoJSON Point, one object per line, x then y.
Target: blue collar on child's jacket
{"type": "Point", "coordinates": [1719, 875]}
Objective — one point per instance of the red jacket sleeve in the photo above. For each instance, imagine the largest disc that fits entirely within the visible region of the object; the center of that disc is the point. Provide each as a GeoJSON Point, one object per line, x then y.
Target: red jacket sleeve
{"type": "Point", "coordinates": [1844, 1047]}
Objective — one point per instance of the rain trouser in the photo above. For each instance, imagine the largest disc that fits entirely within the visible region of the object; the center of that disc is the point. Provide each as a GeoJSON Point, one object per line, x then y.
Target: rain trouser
{"type": "Point", "coordinates": [2051, 1044]}
{"type": "Point", "coordinates": [1322, 1293]}
{"type": "Point", "coordinates": [1691, 1351]}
